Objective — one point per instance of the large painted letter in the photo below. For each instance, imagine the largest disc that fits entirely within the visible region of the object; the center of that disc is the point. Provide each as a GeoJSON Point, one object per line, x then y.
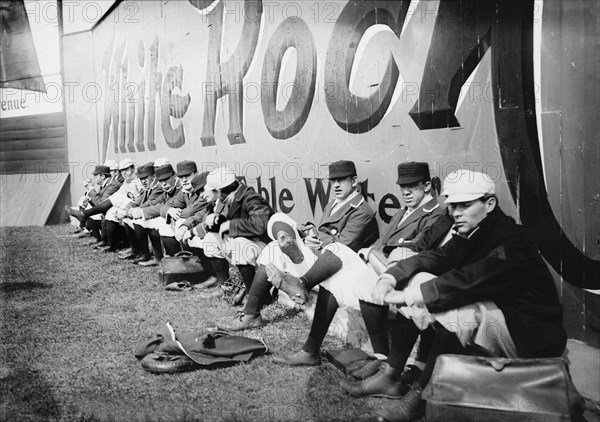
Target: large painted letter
{"type": "Point", "coordinates": [227, 78]}
{"type": "Point", "coordinates": [291, 33]}
{"type": "Point", "coordinates": [173, 106]}
{"type": "Point", "coordinates": [353, 113]}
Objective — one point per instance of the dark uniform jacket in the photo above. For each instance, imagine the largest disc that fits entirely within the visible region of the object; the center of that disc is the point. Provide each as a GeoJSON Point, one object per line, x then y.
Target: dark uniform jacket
{"type": "Point", "coordinates": [249, 214]}
{"type": "Point", "coordinates": [109, 187]}
{"type": "Point", "coordinates": [166, 198]}
{"type": "Point", "coordinates": [193, 207]}
{"type": "Point", "coordinates": [404, 234]}
{"type": "Point", "coordinates": [499, 263]}
{"type": "Point", "coordinates": [353, 225]}
{"type": "Point", "coordinates": [149, 197]}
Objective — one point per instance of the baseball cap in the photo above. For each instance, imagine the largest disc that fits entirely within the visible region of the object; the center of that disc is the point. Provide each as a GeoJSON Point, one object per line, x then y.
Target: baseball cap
{"type": "Point", "coordinates": [220, 178]}
{"type": "Point", "coordinates": [125, 163]}
{"type": "Point", "coordinates": [467, 185]}
{"type": "Point", "coordinates": [112, 164]}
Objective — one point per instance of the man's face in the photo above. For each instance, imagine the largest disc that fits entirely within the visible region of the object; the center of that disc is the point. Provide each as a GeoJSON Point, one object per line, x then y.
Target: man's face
{"type": "Point", "coordinates": [169, 183]}
{"type": "Point", "coordinates": [147, 181]}
{"type": "Point", "coordinates": [343, 187]}
{"type": "Point", "coordinates": [413, 193]}
{"type": "Point", "coordinates": [186, 181]}
{"type": "Point", "coordinates": [128, 173]}
{"type": "Point", "coordinates": [468, 215]}
{"type": "Point", "coordinates": [208, 195]}
{"type": "Point", "coordinates": [289, 246]}
{"type": "Point", "coordinates": [97, 178]}
{"type": "Point", "coordinates": [113, 173]}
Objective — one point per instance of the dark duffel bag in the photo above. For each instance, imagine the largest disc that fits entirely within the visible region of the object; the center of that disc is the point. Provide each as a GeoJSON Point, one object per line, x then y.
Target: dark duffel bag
{"type": "Point", "coordinates": [475, 388]}
{"type": "Point", "coordinates": [183, 266]}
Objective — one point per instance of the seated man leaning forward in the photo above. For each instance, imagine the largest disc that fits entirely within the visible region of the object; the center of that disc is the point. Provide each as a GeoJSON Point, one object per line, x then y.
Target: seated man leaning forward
{"type": "Point", "coordinates": [347, 220]}
{"type": "Point", "coordinates": [486, 291]}
{"type": "Point", "coordinates": [237, 235]}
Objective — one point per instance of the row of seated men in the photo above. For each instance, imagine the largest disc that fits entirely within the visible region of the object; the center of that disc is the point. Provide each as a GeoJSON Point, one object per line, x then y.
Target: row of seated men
{"type": "Point", "coordinates": [462, 275]}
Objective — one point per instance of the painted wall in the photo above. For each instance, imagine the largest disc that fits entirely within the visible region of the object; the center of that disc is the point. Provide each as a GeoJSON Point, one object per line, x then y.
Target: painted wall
{"type": "Point", "coordinates": [276, 90]}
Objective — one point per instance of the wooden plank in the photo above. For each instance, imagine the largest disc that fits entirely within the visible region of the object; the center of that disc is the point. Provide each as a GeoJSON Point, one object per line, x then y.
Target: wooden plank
{"type": "Point", "coordinates": [35, 154]}
{"type": "Point", "coordinates": [32, 122]}
{"type": "Point", "coordinates": [36, 133]}
{"type": "Point", "coordinates": [28, 199]}
{"type": "Point", "coordinates": [31, 144]}
{"type": "Point", "coordinates": [34, 166]}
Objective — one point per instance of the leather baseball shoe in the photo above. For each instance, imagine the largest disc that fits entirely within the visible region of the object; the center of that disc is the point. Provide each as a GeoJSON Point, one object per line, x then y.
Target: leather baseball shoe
{"type": "Point", "coordinates": [212, 293]}
{"type": "Point", "coordinates": [151, 263]}
{"type": "Point", "coordinates": [368, 370]}
{"type": "Point", "coordinates": [244, 322]}
{"type": "Point", "coordinates": [411, 407]}
{"type": "Point", "coordinates": [385, 383]}
{"type": "Point", "coordinates": [209, 282]}
{"type": "Point", "coordinates": [301, 358]}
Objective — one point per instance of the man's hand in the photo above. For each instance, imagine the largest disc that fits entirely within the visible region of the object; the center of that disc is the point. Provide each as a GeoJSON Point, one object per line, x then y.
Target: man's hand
{"type": "Point", "coordinates": [385, 284]}
{"type": "Point", "coordinates": [174, 213]}
{"type": "Point", "coordinates": [136, 213]}
{"type": "Point", "coordinates": [211, 219]}
{"type": "Point", "coordinates": [396, 297]}
{"type": "Point", "coordinates": [120, 213]}
{"type": "Point", "coordinates": [224, 228]}
{"type": "Point", "coordinates": [86, 201]}
{"type": "Point", "coordinates": [179, 233]}
{"type": "Point", "coordinates": [313, 242]}
{"type": "Point", "coordinates": [186, 235]}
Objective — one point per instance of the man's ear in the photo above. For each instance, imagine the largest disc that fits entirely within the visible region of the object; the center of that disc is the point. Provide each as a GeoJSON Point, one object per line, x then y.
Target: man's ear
{"type": "Point", "coordinates": [491, 204]}
{"type": "Point", "coordinates": [354, 181]}
{"type": "Point", "coordinates": [427, 186]}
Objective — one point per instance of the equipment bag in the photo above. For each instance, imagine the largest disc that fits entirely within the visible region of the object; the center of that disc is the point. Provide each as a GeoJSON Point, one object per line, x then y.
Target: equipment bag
{"type": "Point", "coordinates": [183, 266]}
{"type": "Point", "coordinates": [475, 388]}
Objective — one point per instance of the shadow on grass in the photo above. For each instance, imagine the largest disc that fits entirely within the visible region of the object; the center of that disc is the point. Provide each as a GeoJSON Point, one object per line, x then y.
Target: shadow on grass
{"type": "Point", "coordinates": [27, 396]}
{"type": "Point", "coordinates": [280, 313]}
{"type": "Point", "coordinates": [17, 286]}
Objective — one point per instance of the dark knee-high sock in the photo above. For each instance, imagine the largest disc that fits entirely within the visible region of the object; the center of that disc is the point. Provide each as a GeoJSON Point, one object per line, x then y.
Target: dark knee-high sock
{"type": "Point", "coordinates": [247, 272]}
{"type": "Point", "coordinates": [141, 239]}
{"type": "Point", "coordinates": [324, 267]}
{"type": "Point", "coordinates": [404, 337]}
{"type": "Point", "coordinates": [258, 292]}
{"type": "Point", "coordinates": [208, 270]}
{"type": "Point", "coordinates": [103, 230]}
{"type": "Point", "coordinates": [221, 268]}
{"type": "Point", "coordinates": [425, 344]}
{"type": "Point", "coordinates": [112, 235]}
{"type": "Point", "coordinates": [132, 239]}
{"type": "Point", "coordinates": [94, 227]}
{"type": "Point", "coordinates": [325, 310]}
{"type": "Point", "coordinates": [156, 244]}
{"type": "Point", "coordinates": [171, 245]}
{"type": "Point", "coordinates": [101, 208]}
{"type": "Point", "coordinates": [443, 342]}
{"type": "Point", "coordinates": [376, 322]}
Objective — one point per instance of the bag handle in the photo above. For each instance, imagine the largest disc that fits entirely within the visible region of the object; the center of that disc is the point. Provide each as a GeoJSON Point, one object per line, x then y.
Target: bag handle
{"type": "Point", "coordinates": [499, 364]}
{"type": "Point", "coordinates": [184, 254]}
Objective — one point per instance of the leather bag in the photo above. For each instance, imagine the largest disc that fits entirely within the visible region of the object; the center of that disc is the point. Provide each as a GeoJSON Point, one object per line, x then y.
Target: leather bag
{"type": "Point", "coordinates": [475, 388]}
{"type": "Point", "coordinates": [183, 266]}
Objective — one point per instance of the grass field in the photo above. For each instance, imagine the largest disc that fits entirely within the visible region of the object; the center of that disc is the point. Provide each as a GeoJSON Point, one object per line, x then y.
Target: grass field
{"type": "Point", "coordinates": [72, 317]}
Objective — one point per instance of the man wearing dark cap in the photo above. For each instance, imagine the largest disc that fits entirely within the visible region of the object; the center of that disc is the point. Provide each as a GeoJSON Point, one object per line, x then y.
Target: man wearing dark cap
{"type": "Point", "coordinates": [151, 196]}
{"type": "Point", "coordinates": [150, 220]}
{"type": "Point", "coordinates": [348, 219]}
{"type": "Point", "coordinates": [404, 237]}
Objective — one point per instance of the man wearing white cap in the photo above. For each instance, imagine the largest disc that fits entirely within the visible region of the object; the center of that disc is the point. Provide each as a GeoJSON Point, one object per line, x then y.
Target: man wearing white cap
{"type": "Point", "coordinates": [486, 291]}
{"type": "Point", "coordinates": [239, 234]}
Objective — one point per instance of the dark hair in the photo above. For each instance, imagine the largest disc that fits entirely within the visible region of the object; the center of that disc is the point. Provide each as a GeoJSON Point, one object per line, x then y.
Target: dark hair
{"type": "Point", "coordinates": [228, 189]}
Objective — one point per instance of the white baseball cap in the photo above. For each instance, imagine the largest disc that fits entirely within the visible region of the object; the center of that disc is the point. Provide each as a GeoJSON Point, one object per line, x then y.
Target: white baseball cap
{"type": "Point", "coordinates": [112, 164]}
{"type": "Point", "coordinates": [125, 163]}
{"type": "Point", "coordinates": [467, 185]}
{"type": "Point", "coordinates": [161, 161]}
{"type": "Point", "coordinates": [220, 178]}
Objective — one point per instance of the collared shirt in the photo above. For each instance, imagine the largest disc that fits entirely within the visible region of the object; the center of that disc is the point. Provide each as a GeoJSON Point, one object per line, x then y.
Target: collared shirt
{"type": "Point", "coordinates": [339, 204]}
{"type": "Point", "coordinates": [408, 212]}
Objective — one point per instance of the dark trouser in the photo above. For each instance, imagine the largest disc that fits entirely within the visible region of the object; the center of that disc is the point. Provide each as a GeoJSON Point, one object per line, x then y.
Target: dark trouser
{"type": "Point", "coordinates": [156, 243]}
{"type": "Point", "coordinates": [376, 322]}
{"type": "Point", "coordinates": [132, 239]}
{"type": "Point", "coordinates": [325, 310]}
{"type": "Point", "coordinates": [101, 208]}
{"type": "Point", "coordinates": [171, 245]}
{"type": "Point", "coordinates": [103, 230]}
{"type": "Point", "coordinates": [115, 234]}
{"type": "Point", "coordinates": [141, 236]}
{"type": "Point", "coordinates": [208, 270]}
{"type": "Point", "coordinates": [94, 227]}
{"type": "Point", "coordinates": [404, 337]}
